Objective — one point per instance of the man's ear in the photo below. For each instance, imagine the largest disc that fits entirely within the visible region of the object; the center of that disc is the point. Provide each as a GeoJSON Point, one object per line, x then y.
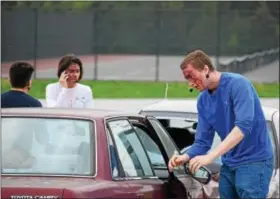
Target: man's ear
{"type": "Point", "coordinates": [29, 84]}
{"type": "Point", "coordinates": [206, 68]}
{"type": "Point", "coordinates": [9, 79]}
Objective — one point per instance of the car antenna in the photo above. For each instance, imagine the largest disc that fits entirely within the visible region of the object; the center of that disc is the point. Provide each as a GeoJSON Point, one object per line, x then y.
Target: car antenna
{"type": "Point", "coordinates": [166, 90]}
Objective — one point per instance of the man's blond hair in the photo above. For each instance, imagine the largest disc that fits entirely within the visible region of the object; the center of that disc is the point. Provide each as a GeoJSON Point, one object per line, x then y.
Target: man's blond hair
{"type": "Point", "coordinates": [198, 59]}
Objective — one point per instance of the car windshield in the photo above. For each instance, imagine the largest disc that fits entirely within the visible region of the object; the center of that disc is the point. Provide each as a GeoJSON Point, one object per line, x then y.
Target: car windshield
{"type": "Point", "coordinates": [47, 146]}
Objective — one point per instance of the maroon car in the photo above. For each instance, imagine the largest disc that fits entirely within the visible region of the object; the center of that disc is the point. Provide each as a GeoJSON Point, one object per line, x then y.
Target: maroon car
{"type": "Point", "coordinates": [75, 153]}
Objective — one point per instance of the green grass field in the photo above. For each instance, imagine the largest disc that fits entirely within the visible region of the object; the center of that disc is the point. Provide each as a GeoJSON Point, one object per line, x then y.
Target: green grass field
{"type": "Point", "coordinates": [131, 89]}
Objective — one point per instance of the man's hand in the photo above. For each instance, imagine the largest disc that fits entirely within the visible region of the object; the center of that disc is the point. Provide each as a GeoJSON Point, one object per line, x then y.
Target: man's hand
{"type": "Point", "coordinates": [216, 177]}
{"type": "Point", "coordinates": [199, 161]}
{"type": "Point", "coordinates": [177, 160]}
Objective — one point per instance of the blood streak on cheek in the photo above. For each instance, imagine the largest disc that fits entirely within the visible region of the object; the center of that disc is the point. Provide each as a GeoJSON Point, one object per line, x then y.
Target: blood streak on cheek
{"type": "Point", "coordinates": [197, 83]}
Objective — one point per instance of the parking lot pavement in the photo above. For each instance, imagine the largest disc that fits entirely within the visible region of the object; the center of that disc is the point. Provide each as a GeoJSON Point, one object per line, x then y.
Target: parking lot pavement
{"type": "Point", "coordinates": [140, 67]}
{"type": "Point", "coordinates": [268, 74]}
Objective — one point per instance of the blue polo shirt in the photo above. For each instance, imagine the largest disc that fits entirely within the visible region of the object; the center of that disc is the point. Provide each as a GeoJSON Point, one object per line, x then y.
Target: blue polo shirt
{"type": "Point", "coordinates": [234, 103]}
{"type": "Point", "coordinates": [18, 99]}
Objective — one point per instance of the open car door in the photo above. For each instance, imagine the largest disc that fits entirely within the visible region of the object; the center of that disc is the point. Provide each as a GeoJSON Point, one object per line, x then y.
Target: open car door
{"type": "Point", "coordinates": [198, 184]}
{"type": "Point", "coordinates": [203, 176]}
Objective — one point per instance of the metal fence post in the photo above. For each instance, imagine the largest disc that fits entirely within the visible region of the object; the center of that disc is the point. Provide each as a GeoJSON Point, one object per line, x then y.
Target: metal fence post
{"type": "Point", "coordinates": [35, 40]}
{"type": "Point", "coordinates": [95, 42]}
{"type": "Point", "coordinates": [158, 40]}
{"type": "Point", "coordinates": [218, 35]}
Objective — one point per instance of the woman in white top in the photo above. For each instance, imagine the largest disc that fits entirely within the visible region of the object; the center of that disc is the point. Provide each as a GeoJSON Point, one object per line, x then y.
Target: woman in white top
{"type": "Point", "coordinates": [67, 92]}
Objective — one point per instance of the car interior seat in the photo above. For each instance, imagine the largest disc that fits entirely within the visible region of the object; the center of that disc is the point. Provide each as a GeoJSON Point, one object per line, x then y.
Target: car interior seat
{"type": "Point", "coordinates": [182, 137]}
{"type": "Point", "coordinates": [84, 160]}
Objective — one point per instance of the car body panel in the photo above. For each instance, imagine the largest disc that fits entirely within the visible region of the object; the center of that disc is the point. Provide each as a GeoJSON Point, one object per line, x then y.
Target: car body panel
{"type": "Point", "coordinates": [101, 184]}
{"type": "Point", "coordinates": [58, 186]}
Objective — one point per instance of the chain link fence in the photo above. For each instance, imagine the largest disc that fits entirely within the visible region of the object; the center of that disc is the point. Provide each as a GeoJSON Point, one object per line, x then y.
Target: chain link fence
{"type": "Point", "coordinates": [135, 43]}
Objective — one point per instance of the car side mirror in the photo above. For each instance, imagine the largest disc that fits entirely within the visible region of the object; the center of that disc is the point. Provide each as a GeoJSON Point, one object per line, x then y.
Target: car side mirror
{"type": "Point", "coordinates": [203, 175]}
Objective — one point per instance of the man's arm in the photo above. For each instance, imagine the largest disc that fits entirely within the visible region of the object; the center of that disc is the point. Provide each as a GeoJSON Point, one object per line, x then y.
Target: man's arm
{"type": "Point", "coordinates": [204, 135]}
{"type": "Point", "coordinates": [229, 142]}
{"type": "Point", "coordinates": [242, 95]}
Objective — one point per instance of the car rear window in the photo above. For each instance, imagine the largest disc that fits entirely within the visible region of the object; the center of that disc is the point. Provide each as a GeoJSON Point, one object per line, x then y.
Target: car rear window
{"type": "Point", "coordinates": [47, 146]}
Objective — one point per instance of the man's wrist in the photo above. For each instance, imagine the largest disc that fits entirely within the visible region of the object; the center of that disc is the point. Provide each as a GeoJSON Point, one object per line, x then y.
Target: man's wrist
{"type": "Point", "coordinates": [186, 157]}
{"type": "Point", "coordinates": [213, 155]}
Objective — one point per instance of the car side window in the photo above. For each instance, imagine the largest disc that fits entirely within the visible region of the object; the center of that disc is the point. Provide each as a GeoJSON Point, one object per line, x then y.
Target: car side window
{"type": "Point", "coordinates": [131, 153]}
{"type": "Point", "coordinates": [168, 144]}
{"type": "Point", "coordinates": [113, 157]}
{"type": "Point", "coordinates": [157, 159]}
{"type": "Point", "coordinates": [151, 147]}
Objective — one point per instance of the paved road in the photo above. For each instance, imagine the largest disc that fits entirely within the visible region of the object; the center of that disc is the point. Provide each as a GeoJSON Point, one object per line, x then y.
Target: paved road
{"type": "Point", "coordinates": [270, 73]}
{"type": "Point", "coordinates": [136, 104]}
{"type": "Point", "coordinates": [133, 67]}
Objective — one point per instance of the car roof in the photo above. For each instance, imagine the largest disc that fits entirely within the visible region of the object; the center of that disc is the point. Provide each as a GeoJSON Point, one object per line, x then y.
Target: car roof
{"type": "Point", "coordinates": [190, 107]}
{"type": "Point", "coordinates": [66, 112]}
{"type": "Point", "coordinates": [269, 111]}
{"type": "Point", "coordinates": [173, 106]}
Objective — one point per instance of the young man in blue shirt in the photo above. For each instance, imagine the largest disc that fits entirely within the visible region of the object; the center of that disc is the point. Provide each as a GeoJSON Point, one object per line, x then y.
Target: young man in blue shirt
{"type": "Point", "coordinates": [20, 75]}
{"type": "Point", "coordinates": [228, 104]}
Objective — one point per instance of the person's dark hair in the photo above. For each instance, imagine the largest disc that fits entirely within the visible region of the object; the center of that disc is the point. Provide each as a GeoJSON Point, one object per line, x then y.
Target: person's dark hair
{"type": "Point", "coordinates": [66, 61]}
{"type": "Point", "coordinates": [20, 74]}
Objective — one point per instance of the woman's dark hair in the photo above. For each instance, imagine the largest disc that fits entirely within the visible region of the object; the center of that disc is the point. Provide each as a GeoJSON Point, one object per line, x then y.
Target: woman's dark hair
{"type": "Point", "coordinates": [66, 61]}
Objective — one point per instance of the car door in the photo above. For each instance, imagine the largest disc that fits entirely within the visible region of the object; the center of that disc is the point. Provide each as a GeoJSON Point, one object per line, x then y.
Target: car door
{"type": "Point", "coordinates": [131, 163]}
{"type": "Point", "coordinates": [272, 130]}
{"type": "Point", "coordinates": [173, 187]}
{"type": "Point", "coordinates": [195, 188]}
{"type": "Point", "coordinates": [275, 119]}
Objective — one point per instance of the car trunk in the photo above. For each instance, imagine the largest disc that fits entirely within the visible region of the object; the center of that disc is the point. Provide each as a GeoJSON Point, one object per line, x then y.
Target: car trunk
{"type": "Point", "coordinates": [40, 187]}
